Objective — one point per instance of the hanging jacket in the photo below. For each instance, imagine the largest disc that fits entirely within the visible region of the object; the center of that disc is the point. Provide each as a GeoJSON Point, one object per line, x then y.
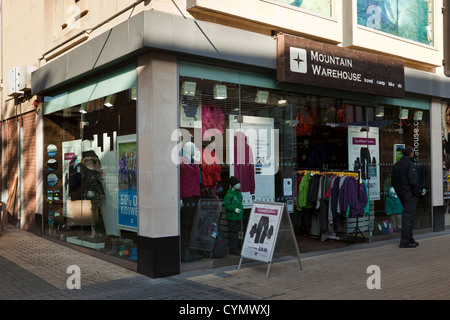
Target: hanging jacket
{"type": "Point", "coordinates": [244, 165]}
{"type": "Point", "coordinates": [353, 198]}
{"type": "Point", "coordinates": [212, 118]}
{"type": "Point", "coordinates": [210, 168]}
{"type": "Point", "coordinates": [233, 201]}
{"type": "Point", "coordinates": [303, 190]}
{"type": "Point", "coordinates": [189, 178]}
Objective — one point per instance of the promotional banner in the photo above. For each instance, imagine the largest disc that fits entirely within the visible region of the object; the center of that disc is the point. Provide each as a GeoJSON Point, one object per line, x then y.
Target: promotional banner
{"type": "Point", "coordinates": [446, 147]}
{"type": "Point", "coordinates": [364, 156]}
{"type": "Point", "coordinates": [128, 206]}
{"type": "Point", "coordinates": [262, 226]}
{"type": "Point", "coordinates": [252, 156]}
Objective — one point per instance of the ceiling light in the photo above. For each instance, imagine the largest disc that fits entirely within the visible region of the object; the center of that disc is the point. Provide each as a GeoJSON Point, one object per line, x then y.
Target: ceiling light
{"type": "Point", "coordinates": [220, 91]}
{"type": "Point", "coordinates": [83, 108]}
{"type": "Point", "coordinates": [109, 102]}
{"type": "Point", "coordinates": [188, 88]}
{"type": "Point", "coordinates": [133, 93]}
{"type": "Point", "coordinates": [262, 96]}
{"type": "Point", "coordinates": [418, 115]}
{"type": "Point", "coordinates": [282, 101]}
{"type": "Point", "coordinates": [379, 111]}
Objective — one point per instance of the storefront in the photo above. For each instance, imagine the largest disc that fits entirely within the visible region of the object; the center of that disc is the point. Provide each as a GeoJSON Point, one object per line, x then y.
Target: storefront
{"type": "Point", "coordinates": [244, 121]}
{"type": "Point", "coordinates": [320, 131]}
{"type": "Point", "coordinates": [91, 165]}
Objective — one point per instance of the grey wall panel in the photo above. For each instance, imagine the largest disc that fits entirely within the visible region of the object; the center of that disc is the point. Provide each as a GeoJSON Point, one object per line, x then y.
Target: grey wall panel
{"type": "Point", "coordinates": [162, 31]}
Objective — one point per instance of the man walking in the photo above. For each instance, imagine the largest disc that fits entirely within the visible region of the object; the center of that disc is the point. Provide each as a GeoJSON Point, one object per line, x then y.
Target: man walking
{"type": "Point", "coordinates": [405, 182]}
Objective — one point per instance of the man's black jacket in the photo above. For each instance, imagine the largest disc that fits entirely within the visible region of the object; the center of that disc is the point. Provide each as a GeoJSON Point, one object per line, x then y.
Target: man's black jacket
{"type": "Point", "coordinates": [404, 178]}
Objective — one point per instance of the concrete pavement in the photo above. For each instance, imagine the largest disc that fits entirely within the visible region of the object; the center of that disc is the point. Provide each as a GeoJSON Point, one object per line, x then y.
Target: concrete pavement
{"type": "Point", "coordinates": [34, 268]}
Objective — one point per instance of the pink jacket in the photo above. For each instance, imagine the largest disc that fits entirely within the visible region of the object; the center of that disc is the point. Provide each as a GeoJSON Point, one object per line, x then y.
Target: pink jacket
{"type": "Point", "coordinates": [212, 118]}
{"type": "Point", "coordinates": [189, 179]}
{"type": "Point", "coordinates": [244, 165]}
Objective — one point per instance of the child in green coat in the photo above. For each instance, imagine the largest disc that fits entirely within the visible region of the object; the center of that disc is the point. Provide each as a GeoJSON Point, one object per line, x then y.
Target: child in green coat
{"type": "Point", "coordinates": [234, 210]}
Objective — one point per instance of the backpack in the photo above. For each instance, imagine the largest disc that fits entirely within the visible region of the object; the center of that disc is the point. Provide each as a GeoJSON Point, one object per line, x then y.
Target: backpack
{"type": "Point", "coordinates": [386, 227]}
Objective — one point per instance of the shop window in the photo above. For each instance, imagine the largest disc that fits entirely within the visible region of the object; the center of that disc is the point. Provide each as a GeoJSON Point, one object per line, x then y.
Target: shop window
{"type": "Point", "coordinates": [285, 136]}
{"type": "Point", "coordinates": [446, 158]}
{"type": "Point", "coordinates": [407, 19]}
{"type": "Point", "coordinates": [91, 173]}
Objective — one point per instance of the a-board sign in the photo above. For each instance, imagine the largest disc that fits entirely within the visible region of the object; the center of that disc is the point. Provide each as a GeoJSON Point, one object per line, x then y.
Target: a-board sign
{"type": "Point", "coordinates": [206, 225]}
{"type": "Point", "coordinates": [269, 231]}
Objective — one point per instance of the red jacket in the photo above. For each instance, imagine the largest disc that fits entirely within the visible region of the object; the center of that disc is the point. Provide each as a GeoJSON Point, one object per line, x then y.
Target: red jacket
{"type": "Point", "coordinates": [210, 168]}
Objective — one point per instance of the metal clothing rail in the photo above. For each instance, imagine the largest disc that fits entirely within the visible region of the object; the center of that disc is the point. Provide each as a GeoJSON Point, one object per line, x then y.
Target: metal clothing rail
{"type": "Point", "coordinates": [355, 174]}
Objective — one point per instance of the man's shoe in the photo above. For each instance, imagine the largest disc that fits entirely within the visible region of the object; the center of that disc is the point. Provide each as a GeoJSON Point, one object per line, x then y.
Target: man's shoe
{"type": "Point", "coordinates": [415, 243]}
{"type": "Point", "coordinates": [408, 245]}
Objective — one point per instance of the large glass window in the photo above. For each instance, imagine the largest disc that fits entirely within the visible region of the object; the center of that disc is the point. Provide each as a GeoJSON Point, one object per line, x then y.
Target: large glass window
{"type": "Point", "coordinates": [271, 139]}
{"type": "Point", "coordinates": [91, 169]}
{"type": "Point", "coordinates": [319, 6]}
{"type": "Point", "coordinates": [446, 158]}
{"type": "Point", "coordinates": [409, 19]}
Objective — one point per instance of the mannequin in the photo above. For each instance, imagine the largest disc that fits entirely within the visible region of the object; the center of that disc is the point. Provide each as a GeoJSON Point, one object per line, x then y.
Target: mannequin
{"type": "Point", "coordinates": [394, 209]}
{"type": "Point", "coordinates": [190, 179]}
{"type": "Point", "coordinates": [92, 180]}
{"type": "Point", "coordinates": [234, 211]}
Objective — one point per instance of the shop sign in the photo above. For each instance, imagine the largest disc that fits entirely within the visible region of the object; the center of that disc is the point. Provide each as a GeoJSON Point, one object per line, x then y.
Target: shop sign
{"type": "Point", "coordinates": [269, 229]}
{"type": "Point", "coordinates": [308, 62]}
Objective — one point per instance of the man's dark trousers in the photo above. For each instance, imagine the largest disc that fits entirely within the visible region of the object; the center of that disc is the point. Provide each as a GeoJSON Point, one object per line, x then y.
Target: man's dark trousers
{"type": "Point", "coordinates": [409, 203]}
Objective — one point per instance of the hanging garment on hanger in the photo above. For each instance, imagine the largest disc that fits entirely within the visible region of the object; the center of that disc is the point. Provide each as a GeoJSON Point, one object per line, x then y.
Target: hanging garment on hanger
{"type": "Point", "coordinates": [353, 198]}
{"type": "Point", "coordinates": [303, 189]}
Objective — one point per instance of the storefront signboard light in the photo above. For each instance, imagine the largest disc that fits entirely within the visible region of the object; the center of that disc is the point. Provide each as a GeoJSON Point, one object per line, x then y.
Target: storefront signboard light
{"type": "Point", "coordinates": [308, 62]}
{"type": "Point", "coordinates": [262, 96]}
{"type": "Point", "coordinates": [188, 88]}
{"type": "Point", "coordinates": [220, 91]}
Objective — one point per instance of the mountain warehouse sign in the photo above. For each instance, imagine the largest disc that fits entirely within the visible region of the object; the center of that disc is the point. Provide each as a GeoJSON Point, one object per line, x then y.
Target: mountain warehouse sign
{"type": "Point", "coordinates": [308, 62]}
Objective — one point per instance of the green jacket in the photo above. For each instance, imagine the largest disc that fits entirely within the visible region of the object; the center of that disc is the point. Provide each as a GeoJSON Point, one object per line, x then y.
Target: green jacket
{"type": "Point", "coordinates": [233, 200]}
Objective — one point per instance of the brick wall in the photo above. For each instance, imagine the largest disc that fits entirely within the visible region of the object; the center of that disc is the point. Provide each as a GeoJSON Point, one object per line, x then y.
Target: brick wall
{"type": "Point", "coordinates": [28, 123]}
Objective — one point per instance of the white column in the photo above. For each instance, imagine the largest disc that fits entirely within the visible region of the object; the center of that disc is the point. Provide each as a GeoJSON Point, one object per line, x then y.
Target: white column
{"type": "Point", "coordinates": [437, 188]}
{"type": "Point", "coordinates": [157, 118]}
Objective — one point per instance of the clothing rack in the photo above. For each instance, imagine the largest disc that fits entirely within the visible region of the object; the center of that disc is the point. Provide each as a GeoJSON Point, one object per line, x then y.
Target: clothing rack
{"type": "Point", "coordinates": [355, 233]}
{"type": "Point", "coordinates": [345, 173]}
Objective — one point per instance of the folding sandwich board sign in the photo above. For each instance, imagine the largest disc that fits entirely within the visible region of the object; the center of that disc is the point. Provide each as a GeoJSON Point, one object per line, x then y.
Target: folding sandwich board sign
{"type": "Point", "coordinates": [269, 231]}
